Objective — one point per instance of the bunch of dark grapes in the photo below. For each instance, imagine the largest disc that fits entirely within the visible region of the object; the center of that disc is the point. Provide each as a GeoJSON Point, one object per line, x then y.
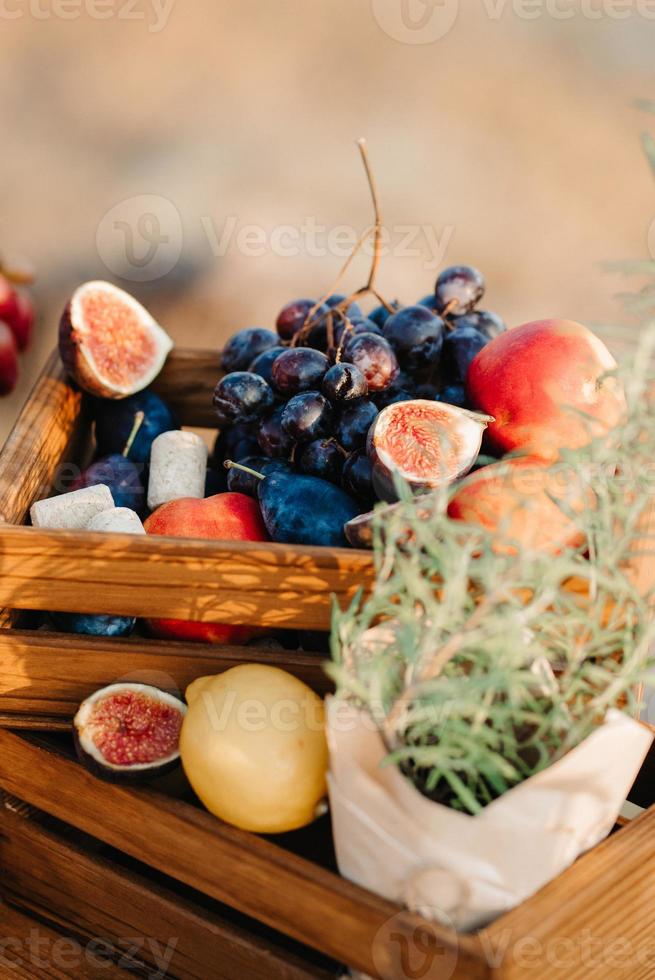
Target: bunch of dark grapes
{"type": "Point", "coordinates": [307, 393]}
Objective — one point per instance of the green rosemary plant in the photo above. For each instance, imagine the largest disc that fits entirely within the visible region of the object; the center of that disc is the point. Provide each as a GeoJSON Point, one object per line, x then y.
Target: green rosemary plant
{"type": "Point", "coordinates": [482, 665]}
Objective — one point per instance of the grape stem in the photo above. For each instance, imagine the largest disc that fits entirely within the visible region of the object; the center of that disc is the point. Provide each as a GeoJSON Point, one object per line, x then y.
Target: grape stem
{"type": "Point", "coordinates": [138, 422]}
{"type": "Point", "coordinates": [230, 465]}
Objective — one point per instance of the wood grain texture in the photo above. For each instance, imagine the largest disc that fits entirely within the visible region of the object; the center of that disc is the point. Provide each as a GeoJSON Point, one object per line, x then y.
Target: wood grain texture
{"type": "Point", "coordinates": [37, 679]}
{"type": "Point", "coordinates": [595, 920]}
{"type": "Point", "coordinates": [41, 438]}
{"type": "Point", "coordinates": [187, 383]}
{"type": "Point", "coordinates": [227, 582]}
{"type": "Point", "coordinates": [251, 874]}
{"type": "Point", "coordinates": [92, 896]}
{"type": "Point", "coordinates": [35, 950]}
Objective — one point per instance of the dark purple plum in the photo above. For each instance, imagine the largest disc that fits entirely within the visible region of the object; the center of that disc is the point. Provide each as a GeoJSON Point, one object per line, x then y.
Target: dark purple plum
{"type": "Point", "coordinates": [272, 439]}
{"type": "Point", "coordinates": [416, 335]}
{"type": "Point", "coordinates": [264, 362]}
{"type": "Point", "coordinates": [460, 347]}
{"type": "Point", "coordinates": [323, 458]}
{"type": "Point", "coordinates": [121, 475]}
{"type": "Point", "coordinates": [292, 317]}
{"type": "Point", "coordinates": [242, 397]}
{"type": "Point", "coordinates": [357, 477]}
{"type": "Point", "coordinates": [114, 421]}
{"type": "Point", "coordinates": [354, 423]}
{"type": "Point", "coordinates": [458, 289]}
{"type": "Point", "coordinates": [215, 481]}
{"type": "Point", "coordinates": [300, 509]}
{"type": "Point", "coordinates": [299, 369]}
{"type": "Point", "coordinates": [308, 416]}
{"type": "Point", "coordinates": [243, 347]}
{"type": "Point", "coordinates": [375, 359]}
{"type": "Point", "coordinates": [344, 383]}
{"type": "Point", "coordinates": [489, 324]}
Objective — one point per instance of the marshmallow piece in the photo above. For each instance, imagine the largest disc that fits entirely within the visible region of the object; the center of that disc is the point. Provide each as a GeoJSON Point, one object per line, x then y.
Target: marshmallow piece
{"type": "Point", "coordinates": [120, 519]}
{"type": "Point", "coordinates": [178, 468]}
{"type": "Point", "coordinates": [72, 511]}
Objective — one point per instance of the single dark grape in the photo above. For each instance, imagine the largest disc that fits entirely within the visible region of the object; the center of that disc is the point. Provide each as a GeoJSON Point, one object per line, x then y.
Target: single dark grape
{"type": "Point", "coordinates": [242, 397]}
{"type": "Point", "coordinates": [357, 477]}
{"type": "Point", "coordinates": [299, 369]}
{"type": "Point", "coordinates": [381, 314]}
{"type": "Point", "coordinates": [353, 310]}
{"type": "Point", "coordinates": [460, 347]}
{"type": "Point", "coordinates": [453, 395]}
{"type": "Point", "coordinates": [322, 458]}
{"type": "Point", "coordinates": [234, 443]}
{"type": "Point", "coordinates": [272, 438]}
{"type": "Point", "coordinates": [489, 324]}
{"type": "Point", "coordinates": [427, 301]}
{"type": "Point", "coordinates": [416, 335]}
{"type": "Point", "coordinates": [318, 337]}
{"type": "Point", "coordinates": [238, 481]}
{"type": "Point", "coordinates": [458, 289]}
{"type": "Point", "coordinates": [354, 424]}
{"type": "Point", "coordinates": [366, 325]}
{"type": "Point", "coordinates": [374, 357]}
{"type": "Point", "coordinates": [241, 349]}
{"type": "Point", "coordinates": [307, 416]}
{"type": "Point", "coordinates": [292, 317]}
{"type": "Point", "coordinates": [344, 383]}
{"type": "Point", "coordinates": [264, 362]}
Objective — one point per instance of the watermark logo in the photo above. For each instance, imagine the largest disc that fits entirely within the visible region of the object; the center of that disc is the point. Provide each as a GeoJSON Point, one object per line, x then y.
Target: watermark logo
{"type": "Point", "coordinates": [140, 239]}
{"type": "Point", "coordinates": [402, 951]}
{"type": "Point", "coordinates": [415, 21]}
{"type": "Point", "coordinates": [154, 13]}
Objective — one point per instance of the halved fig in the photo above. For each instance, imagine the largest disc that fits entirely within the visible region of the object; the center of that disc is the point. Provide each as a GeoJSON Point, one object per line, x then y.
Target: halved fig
{"type": "Point", "coordinates": [428, 444]}
{"type": "Point", "coordinates": [109, 343]}
{"type": "Point", "coordinates": [129, 732]}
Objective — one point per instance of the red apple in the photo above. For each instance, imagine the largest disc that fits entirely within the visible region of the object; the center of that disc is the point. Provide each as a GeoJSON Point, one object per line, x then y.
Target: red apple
{"type": "Point", "coordinates": [223, 517]}
{"type": "Point", "coordinates": [537, 379]}
{"type": "Point", "coordinates": [8, 360]}
{"type": "Point", "coordinates": [513, 499]}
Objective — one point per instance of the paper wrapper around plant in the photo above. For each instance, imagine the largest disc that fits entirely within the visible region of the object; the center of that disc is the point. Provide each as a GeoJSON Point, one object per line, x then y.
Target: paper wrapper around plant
{"type": "Point", "coordinates": [464, 869]}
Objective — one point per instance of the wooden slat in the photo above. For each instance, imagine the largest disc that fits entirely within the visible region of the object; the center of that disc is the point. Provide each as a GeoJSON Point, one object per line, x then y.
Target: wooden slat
{"type": "Point", "coordinates": [35, 950]}
{"type": "Point", "coordinates": [251, 874]}
{"type": "Point", "coordinates": [187, 383]}
{"type": "Point", "coordinates": [92, 896]}
{"type": "Point", "coordinates": [595, 920]}
{"type": "Point", "coordinates": [36, 679]}
{"type": "Point", "coordinates": [176, 578]}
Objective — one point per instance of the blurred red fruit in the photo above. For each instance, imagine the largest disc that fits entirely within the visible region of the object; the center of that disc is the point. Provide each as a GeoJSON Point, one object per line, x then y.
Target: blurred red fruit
{"type": "Point", "coordinates": [23, 322]}
{"type": "Point", "coordinates": [8, 360]}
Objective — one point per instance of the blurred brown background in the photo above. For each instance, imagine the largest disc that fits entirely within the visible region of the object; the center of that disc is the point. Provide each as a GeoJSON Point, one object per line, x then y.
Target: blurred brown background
{"type": "Point", "coordinates": [191, 144]}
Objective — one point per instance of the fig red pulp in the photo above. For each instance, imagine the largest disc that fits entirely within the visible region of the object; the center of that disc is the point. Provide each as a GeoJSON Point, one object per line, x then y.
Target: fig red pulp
{"type": "Point", "coordinates": [131, 729]}
{"type": "Point", "coordinates": [424, 441]}
{"type": "Point", "coordinates": [116, 338]}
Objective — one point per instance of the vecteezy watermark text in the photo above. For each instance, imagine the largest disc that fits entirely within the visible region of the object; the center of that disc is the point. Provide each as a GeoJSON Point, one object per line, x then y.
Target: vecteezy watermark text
{"type": "Point", "coordinates": [155, 13]}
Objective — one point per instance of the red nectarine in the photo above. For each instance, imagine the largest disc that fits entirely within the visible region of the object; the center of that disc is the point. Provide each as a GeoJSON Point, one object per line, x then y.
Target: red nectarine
{"type": "Point", "coordinates": [537, 379]}
{"type": "Point", "coordinates": [226, 517]}
{"type": "Point", "coordinates": [513, 500]}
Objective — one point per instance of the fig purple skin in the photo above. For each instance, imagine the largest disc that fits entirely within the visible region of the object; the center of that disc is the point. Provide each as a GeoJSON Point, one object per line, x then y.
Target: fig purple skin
{"type": "Point", "coordinates": [109, 343]}
{"type": "Point", "coordinates": [129, 733]}
{"type": "Point", "coordinates": [426, 444]}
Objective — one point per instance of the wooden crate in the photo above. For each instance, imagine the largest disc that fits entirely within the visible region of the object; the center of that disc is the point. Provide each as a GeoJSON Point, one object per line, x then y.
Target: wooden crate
{"type": "Point", "coordinates": [97, 860]}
